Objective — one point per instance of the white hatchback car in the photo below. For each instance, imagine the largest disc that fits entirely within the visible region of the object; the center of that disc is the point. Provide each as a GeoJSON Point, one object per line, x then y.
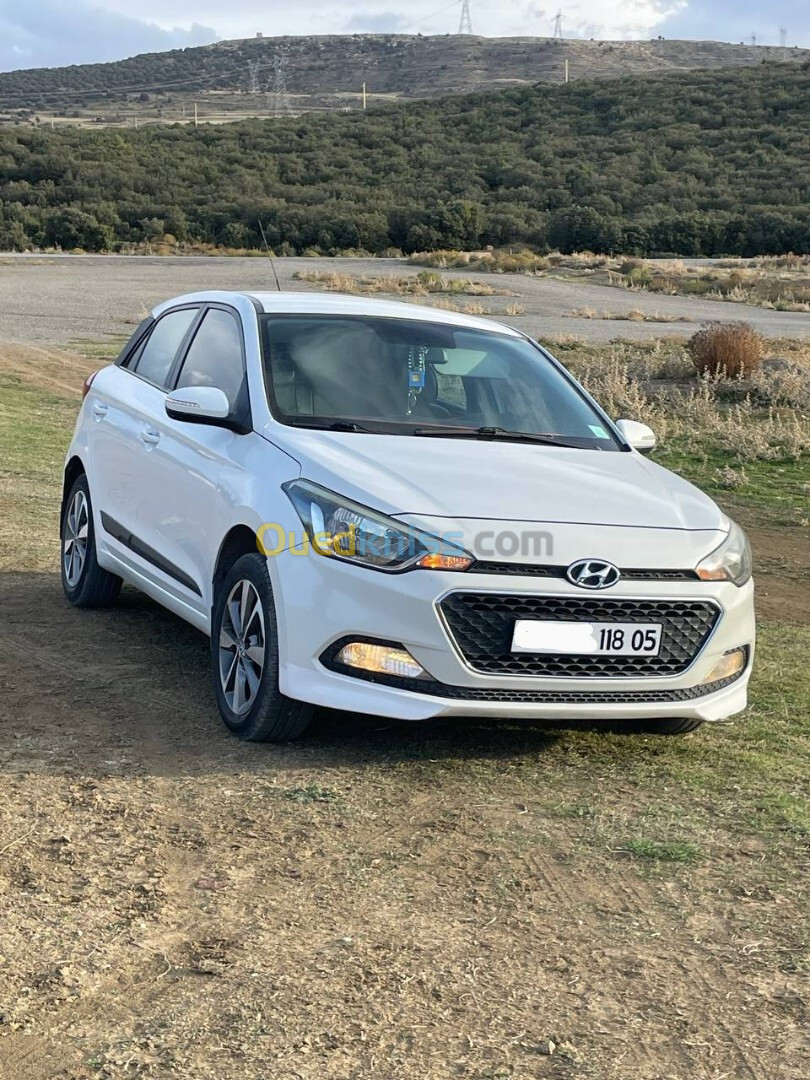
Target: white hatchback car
{"type": "Point", "coordinates": [398, 511]}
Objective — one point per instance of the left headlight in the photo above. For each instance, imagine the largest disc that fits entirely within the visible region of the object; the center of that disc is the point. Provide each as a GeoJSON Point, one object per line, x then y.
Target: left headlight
{"type": "Point", "coordinates": [731, 561]}
{"type": "Point", "coordinates": [342, 529]}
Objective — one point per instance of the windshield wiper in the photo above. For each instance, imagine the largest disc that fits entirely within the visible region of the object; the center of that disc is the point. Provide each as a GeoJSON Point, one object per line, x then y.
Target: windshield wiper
{"type": "Point", "coordinates": [337, 425]}
{"type": "Point", "coordinates": [493, 433]}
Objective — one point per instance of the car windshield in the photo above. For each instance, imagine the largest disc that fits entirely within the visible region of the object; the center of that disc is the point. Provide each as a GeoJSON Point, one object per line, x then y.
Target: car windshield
{"type": "Point", "coordinates": [406, 377]}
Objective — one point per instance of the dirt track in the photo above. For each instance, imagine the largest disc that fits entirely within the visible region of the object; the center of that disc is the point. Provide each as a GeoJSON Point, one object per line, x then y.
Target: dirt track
{"type": "Point", "coordinates": [45, 301]}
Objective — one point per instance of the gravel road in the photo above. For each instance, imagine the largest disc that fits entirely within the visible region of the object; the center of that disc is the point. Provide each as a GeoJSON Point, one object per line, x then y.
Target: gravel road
{"type": "Point", "coordinates": [53, 300]}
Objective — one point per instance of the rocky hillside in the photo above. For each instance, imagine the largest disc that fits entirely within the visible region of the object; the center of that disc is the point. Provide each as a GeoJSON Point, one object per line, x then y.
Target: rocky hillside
{"type": "Point", "coordinates": [328, 73]}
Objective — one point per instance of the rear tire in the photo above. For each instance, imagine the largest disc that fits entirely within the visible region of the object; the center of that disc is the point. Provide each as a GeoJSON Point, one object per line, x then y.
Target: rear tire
{"type": "Point", "coordinates": [244, 658]}
{"type": "Point", "coordinates": [85, 583]}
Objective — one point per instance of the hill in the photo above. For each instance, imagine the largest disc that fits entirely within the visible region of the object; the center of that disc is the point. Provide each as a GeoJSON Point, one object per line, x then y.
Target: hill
{"type": "Point", "coordinates": [328, 73]}
{"type": "Point", "coordinates": [694, 164]}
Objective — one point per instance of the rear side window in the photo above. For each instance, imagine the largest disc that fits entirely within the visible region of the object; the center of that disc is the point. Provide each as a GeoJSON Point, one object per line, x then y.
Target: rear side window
{"type": "Point", "coordinates": [214, 357]}
{"type": "Point", "coordinates": [157, 355]}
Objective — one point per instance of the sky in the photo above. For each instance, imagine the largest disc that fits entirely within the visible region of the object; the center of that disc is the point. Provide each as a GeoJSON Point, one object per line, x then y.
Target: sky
{"type": "Point", "coordinates": [50, 33]}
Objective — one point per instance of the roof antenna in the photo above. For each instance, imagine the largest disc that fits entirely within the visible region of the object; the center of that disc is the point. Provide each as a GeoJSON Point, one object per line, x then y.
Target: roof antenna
{"type": "Point", "coordinates": [270, 256]}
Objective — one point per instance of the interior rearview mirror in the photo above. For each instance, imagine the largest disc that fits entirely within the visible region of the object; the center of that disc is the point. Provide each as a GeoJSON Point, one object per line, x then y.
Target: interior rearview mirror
{"type": "Point", "coordinates": [640, 437]}
{"type": "Point", "coordinates": [198, 405]}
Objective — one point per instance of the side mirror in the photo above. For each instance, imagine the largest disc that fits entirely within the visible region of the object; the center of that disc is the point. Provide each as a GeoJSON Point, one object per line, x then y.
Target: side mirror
{"type": "Point", "coordinates": [640, 437]}
{"type": "Point", "coordinates": [199, 405]}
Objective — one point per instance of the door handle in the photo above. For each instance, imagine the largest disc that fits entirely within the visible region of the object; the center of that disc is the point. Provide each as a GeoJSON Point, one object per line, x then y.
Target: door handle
{"type": "Point", "coordinates": [100, 409]}
{"type": "Point", "coordinates": [150, 436]}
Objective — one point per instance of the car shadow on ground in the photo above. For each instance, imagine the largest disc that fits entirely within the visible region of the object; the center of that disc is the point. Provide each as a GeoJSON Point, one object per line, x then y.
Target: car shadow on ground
{"type": "Point", "coordinates": [127, 690]}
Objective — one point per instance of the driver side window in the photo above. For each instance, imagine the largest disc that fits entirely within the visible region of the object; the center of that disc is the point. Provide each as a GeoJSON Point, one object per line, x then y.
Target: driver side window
{"type": "Point", "coordinates": [214, 357]}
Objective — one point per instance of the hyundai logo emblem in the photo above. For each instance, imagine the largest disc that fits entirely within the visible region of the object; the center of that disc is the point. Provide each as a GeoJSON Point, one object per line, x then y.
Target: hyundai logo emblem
{"type": "Point", "coordinates": [593, 574]}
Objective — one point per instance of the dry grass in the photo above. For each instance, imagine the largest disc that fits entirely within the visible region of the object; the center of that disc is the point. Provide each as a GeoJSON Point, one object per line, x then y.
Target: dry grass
{"type": "Point", "coordinates": [760, 418]}
{"type": "Point", "coordinates": [634, 315]}
{"type": "Point", "coordinates": [511, 262]}
{"type": "Point", "coordinates": [732, 350]}
{"type": "Point", "coordinates": [779, 283]}
{"type": "Point", "coordinates": [426, 283]}
{"type": "Point", "coordinates": [471, 308]}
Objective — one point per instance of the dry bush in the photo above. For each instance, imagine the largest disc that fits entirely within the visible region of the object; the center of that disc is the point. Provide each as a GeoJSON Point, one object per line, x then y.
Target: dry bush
{"type": "Point", "coordinates": [731, 350]}
{"type": "Point", "coordinates": [491, 262]}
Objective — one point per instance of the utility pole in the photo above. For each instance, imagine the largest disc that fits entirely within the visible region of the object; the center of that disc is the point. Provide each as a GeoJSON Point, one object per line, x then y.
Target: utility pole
{"type": "Point", "coordinates": [281, 97]}
{"type": "Point", "coordinates": [254, 66]}
{"type": "Point", "coordinates": [782, 37]}
{"type": "Point", "coordinates": [558, 26]}
{"type": "Point", "coordinates": [754, 40]}
{"type": "Point", "coordinates": [465, 26]}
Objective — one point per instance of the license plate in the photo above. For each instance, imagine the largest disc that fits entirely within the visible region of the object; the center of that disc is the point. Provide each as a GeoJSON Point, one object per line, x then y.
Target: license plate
{"type": "Point", "coordinates": [587, 638]}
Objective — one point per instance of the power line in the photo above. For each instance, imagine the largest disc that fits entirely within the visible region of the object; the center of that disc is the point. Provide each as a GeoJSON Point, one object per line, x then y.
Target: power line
{"type": "Point", "coordinates": [254, 67]}
{"type": "Point", "coordinates": [465, 26]}
{"type": "Point", "coordinates": [783, 35]}
{"type": "Point", "coordinates": [281, 96]}
{"type": "Point", "coordinates": [558, 26]}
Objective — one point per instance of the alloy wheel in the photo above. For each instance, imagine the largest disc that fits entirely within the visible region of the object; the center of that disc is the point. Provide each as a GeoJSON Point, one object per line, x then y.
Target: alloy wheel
{"type": "Point", "coordinates": [242, 647]}
{"type": "Point", "coordinates": [74, 539]}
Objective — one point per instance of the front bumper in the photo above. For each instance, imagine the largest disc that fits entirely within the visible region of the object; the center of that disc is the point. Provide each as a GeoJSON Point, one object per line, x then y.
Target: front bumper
{"type": "Point", "coordinates": [321, 602]}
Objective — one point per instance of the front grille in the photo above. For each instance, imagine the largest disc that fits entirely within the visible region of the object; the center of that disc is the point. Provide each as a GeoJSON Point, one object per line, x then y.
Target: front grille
{"type": "Point", "coordinates": [482, 626]}
{"type": "Point", "coordinates": [548, 571]}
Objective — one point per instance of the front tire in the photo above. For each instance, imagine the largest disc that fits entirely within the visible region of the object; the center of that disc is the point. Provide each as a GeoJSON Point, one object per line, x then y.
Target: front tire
{"type": "Point", "coordinates": [244, 658]}
{"type": "Point", "coordinates": [85, 583]}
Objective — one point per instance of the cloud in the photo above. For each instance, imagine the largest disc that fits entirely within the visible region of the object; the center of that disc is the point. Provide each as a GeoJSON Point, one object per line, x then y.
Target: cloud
{"type": "Point", "coordinates": [46, 33]}
{"type": "Point", "coordinates": [737, 20]}
{"type": "Point", "coordinates": [386, 22]}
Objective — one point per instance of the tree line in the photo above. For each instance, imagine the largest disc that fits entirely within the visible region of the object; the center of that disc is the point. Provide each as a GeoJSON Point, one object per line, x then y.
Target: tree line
{"type": "Point", "coordinates": [694, 164]}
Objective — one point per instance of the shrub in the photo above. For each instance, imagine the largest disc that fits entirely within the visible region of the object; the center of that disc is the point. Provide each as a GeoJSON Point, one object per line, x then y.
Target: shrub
{"type": "Point", "coordinates": [732, 350]}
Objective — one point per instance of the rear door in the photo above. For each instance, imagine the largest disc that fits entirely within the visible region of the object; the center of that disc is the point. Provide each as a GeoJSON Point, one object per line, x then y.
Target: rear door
{"type": "Point", "coordinates": [125, 405]}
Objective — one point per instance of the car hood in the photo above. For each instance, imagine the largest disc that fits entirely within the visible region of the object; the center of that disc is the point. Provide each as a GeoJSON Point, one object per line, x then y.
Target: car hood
{"type": "Point", "coordinates": [477, 479]}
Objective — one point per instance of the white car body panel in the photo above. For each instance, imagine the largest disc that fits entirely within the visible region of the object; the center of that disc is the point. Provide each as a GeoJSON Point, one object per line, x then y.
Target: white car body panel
{"type": "Point", "coordinates": [181, 492]}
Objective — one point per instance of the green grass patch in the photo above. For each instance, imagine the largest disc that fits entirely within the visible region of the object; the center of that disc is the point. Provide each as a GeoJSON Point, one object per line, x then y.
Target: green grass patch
{"type": "Point", "coordinates": [777, 487]}
{"type": "Point", "coordinates": [656, 851]}
{"type": "Point", "coordinates": [35, 432]}
{"type": "Point", "coordinates": [99, 350]}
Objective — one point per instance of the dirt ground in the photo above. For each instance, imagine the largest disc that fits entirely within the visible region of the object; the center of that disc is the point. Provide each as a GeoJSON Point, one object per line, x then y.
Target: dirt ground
{"type": "Point", "coordinates": [379, 901]}
{"type": "Point", "coordinates": [175, 903]}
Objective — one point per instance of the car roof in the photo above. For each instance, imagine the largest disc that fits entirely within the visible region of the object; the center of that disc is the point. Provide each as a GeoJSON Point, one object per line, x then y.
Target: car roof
{"type": "Point", "coordinates": [313, 303]}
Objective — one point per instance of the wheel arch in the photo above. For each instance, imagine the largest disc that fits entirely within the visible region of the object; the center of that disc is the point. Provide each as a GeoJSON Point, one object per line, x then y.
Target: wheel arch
{"type": "Point", "coordinates": [73, 470]}
{"type": "Point", "coordinates": [240, 540]}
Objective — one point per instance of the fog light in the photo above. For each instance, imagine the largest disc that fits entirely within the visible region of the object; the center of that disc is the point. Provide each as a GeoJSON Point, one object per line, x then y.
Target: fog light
{"type": "Point", "coordinates": [380, 658]}
{"type": "Point", "coordinates": [729, 664]}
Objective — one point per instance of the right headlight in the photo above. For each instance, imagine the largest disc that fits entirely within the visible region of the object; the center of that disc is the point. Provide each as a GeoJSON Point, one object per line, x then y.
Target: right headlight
{"type": "Point", "coordinates": [729, 562]}
{"type": "Point", "coordinates": [342, 529]}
